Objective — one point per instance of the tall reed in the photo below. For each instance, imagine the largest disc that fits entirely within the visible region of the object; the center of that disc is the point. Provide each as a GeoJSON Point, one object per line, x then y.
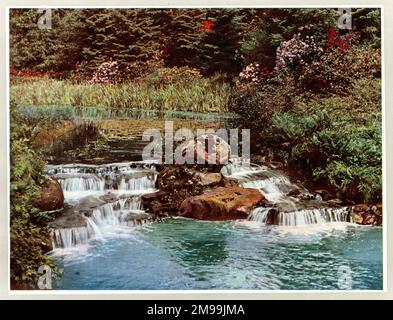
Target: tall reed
{"type": "Point", "coordinates": [199, 95]}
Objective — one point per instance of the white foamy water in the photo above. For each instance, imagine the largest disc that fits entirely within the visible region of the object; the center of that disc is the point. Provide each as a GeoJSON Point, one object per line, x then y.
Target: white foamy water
{"type": "Point", "coordinates": [288, 211]}
{"type": "Point", "coordinates": [125, 180]}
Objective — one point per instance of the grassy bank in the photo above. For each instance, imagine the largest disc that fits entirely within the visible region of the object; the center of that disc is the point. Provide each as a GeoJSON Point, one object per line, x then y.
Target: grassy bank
{"type": "Point", "coordinates": [198, 95]}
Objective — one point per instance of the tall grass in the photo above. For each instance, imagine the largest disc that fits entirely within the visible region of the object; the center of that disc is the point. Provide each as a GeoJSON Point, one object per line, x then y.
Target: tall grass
{"type": "Point", "coordinates": [199, 95]}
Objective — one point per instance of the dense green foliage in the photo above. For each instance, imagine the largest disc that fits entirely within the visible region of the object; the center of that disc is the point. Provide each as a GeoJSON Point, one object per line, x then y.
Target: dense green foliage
{"type": "Point", "coordinates": [130, 36]}
{"type": "Point", "coordinates": [337, 136]}
{"type": "Point", "coordinates": [335, 148]}
{"type": "Point", "coordinates": [211, 40]}
{"type": "Point", "coordinates": [310, 93]}
{"type": "Point", "coordinates": [29, 234]}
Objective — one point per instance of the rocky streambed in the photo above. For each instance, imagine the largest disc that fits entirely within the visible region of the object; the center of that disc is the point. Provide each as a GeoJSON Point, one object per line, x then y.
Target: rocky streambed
{"type": "Point", "coordinates": [181, 227]}
{"type": "Point", "coordinates": [124, 194]}
{"type": "Point", "coordinates": [197, 226]}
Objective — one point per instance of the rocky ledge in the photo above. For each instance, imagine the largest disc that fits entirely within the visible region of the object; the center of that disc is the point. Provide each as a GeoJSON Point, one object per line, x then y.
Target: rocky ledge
{"type": "Point", "coordinates": [200, 192]}
{"type": "Point", "coordinates": [367, 214]}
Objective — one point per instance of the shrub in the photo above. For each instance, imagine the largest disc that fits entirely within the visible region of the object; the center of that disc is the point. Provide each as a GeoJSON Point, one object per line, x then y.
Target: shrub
{"type": "Point", "coordinates": [347, 155]}
{"type": "Point", "coordinates": [28, 231]}
{"type": "Point", "coordinates": [295, 53]}
{"type": "Point", "coordinates": [342, 43]}
{"type": "Point", "coordinates": [107, 72]}
{"type": "Point", "coordinates": [362, 100]}
{"type": "Point", "coordinates": [328, 66]}
{"type": "Point", "coordinates": [336, 70]}
{"type": "Point", "coordinates": [252, 75]}
{"type": "Point", "coordinates": [256, 105]}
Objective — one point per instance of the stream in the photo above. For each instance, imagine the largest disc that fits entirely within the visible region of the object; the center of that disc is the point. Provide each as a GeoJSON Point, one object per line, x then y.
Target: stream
{"type": "Point", "coordinates": [120, 249]}
{"type": "Point", "coordinates": [117, 246]}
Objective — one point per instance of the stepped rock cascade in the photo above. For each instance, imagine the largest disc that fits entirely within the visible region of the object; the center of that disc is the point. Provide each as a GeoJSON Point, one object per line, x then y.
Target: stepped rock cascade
{"type": "Point", "coordinates": [69, 237]}
{"type": "Point", "coordinates": [123, 183]}
{"type": "Point", "coordinates": [113, 194]}
{"type": "Point", "coordinates": [288, 204]}
{"type": "Point", "coordinates": [100, 244]}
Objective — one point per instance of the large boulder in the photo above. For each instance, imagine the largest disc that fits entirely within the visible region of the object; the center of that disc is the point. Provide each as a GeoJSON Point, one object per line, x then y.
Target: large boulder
{"type": "Point", "coordinates": [51, 196]}
{"type": "Point", "coordinates": [222, 204]}
{"type": "Point", "coordinates": [209, 148]}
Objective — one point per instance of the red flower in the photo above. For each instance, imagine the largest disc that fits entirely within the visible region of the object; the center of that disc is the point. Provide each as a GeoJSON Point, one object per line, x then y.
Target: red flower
{"type": "Point", "coordinates": [206, 26]}
{"type": "Point", "coordinates": [340, 42]}
{"type": "Point", "coordinates": [264, 72]}
{"type": "Point", "coordinates": [208, 23]}
{"type": "Point", "coordinates": [332, 31]}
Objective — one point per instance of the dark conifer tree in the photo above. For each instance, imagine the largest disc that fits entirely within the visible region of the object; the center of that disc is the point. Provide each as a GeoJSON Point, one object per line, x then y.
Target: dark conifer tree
{"type": "Point", "coordinates": [124, 35]}
{"type": "Point", "coordinates": [220, 47]}
{"type": "Point", "coordinates": [183, 37]}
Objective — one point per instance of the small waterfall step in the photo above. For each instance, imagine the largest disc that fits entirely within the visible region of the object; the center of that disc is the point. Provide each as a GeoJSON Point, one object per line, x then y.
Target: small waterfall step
{"type": "Point", "coordinates": [100, 199]}
{"type": "Point", "coordinates": [302, 217]}
{"type": "Point", "coordinates": [121, 213]}
{"type": "Point", "coordinates": [121, 167]}
{"type": "Point", "coordinates": [288, 204]}
{"type": "Point", "coordinates": [66, 238]}
{"type": "Point", "coordinates": [81, 180]}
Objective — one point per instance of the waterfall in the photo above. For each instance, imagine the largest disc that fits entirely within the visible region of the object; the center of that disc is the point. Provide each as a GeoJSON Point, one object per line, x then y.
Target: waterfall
{"type": "Point", "coordinates": [314, 216]}
{"type": "Point", "coordinates": [122, 213]}
{"type": "Point", "coordinates": [80, 181]}
{"type": "Point", "coordinates": [131, 203]}
{"type": "Point", "coordinates": [84, 183]}
{"type": "Point", "coordinates": [121, 167]}
{"type": "Point", "coordinates": [301, 217]}
{"type": "Point", "coordinates": [69, 237]}
{"type": "Point", "coordinates": [78, 185]}
{"type": "Point", "coordinates": [270, 187]}
{"type": "Point", "coordinates": [137, 184]}
{"type": "Point", "coordinates": [106, 216]}
{"type": "Point", "coordinates": [283, 208]}
{"type": "Point", "coordinates": [239, 167]}
{"type": "Point", "coordinates": [259, 214]}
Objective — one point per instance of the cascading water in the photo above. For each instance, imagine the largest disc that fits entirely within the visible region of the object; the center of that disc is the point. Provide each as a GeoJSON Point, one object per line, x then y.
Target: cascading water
{"type": "Point", "coordinates": [124, 181]}
{"type": "Point", "coordinates": [301, 217]}
{"type": "Point", "coordinates": [70, 183]}
{"type": "Point", "coordinates": [69, 237]}
{"type": "Point", "coordinates": [284, 208]}
{"type": "Point", "coordinates": [188, 254]}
